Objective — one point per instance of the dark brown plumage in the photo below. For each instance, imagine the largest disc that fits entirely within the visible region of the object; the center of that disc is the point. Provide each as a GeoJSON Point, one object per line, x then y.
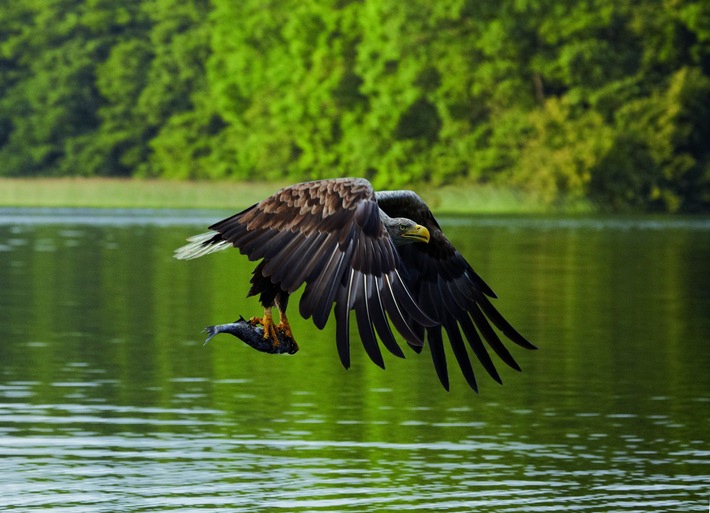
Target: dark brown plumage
{"type": "Point", "coordinates": [380, 255]}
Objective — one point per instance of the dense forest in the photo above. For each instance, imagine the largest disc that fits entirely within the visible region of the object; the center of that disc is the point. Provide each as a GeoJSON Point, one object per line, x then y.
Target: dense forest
{"type": "Point", "coordinates": [597, 99]}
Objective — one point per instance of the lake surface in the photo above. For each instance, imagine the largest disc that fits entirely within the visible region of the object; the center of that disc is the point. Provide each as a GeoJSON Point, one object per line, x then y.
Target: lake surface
{"type": "Point", "coordinates": [109, 402]}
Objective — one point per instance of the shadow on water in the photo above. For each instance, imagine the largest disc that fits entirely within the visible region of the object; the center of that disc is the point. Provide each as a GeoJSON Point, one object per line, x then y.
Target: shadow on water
{"type": "Point", "coordinates": [109, 399]}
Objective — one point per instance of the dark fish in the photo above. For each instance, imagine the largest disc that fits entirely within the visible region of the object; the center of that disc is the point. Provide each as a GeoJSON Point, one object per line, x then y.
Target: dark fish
{"type": "Point", "coordinates": [253, 335]}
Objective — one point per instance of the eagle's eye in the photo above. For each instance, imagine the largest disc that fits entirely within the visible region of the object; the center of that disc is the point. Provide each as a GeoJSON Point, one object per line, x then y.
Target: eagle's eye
{"type": "Point", "coordinates": [403, 227]}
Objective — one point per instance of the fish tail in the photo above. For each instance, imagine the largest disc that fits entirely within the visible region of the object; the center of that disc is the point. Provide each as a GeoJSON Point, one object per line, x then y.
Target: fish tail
{"type": "Point", "coordinates": [211, 332]}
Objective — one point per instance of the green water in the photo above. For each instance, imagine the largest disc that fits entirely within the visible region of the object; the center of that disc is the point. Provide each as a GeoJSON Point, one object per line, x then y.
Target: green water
{"type": "Point", "coordinates": [108, 401]}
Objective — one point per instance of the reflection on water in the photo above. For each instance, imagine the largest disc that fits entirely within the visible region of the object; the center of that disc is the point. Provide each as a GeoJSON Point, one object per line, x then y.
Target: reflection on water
{"type": "Point", "coordinates": [108, 401]}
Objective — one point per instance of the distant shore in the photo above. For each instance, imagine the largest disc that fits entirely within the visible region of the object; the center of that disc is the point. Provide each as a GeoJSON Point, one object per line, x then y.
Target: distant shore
{"type": "Point", "coordinates": [135, 193]}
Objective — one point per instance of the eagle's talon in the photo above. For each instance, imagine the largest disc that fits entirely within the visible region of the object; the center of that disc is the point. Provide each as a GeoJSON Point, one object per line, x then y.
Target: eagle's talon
{"type": "Point", "coordinates": [285, 330]}
{"type": "Point", "coordinates": [270, 334]}
{"type": "Point", "coordinates": [283, 326]}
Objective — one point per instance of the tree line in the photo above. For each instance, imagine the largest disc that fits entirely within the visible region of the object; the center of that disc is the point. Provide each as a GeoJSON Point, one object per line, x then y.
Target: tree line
{"type": "Point", "coordinates": [596, 99]}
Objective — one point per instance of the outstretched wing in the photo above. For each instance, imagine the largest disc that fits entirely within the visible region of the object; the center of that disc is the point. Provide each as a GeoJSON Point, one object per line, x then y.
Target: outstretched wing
{"type": "Point", "coordinates": [328, 235]}
{"type": "Point", "coordinates": [449, 291]}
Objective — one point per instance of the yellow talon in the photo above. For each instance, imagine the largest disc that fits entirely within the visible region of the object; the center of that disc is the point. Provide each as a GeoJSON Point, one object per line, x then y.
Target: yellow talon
{"type": "Point", "coordinates": [269, 328]}
{"type": "Point", "coordinates": [284, 327]}
{"type": "Point", "coordinates": [272, 331]}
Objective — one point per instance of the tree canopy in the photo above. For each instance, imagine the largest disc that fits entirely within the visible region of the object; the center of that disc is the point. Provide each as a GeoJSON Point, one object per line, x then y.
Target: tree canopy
{"type": "Point", "coordinates": [593, 99]}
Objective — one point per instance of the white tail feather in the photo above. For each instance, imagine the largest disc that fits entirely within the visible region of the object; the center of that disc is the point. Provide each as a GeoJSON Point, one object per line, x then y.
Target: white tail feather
{"type": "Point", "coordinates": [198, 247]}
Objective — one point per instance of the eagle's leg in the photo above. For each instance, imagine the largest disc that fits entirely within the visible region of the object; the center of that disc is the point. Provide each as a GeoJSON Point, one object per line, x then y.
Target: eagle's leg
{"type": "Point", "coordinates": [271, 294]}
{"type": "Point", "coordinates": [281, 302]}
{"type": "Point", "coordinates": [283, 326]}
{"type": "Point", "coordinates": [268, 323]}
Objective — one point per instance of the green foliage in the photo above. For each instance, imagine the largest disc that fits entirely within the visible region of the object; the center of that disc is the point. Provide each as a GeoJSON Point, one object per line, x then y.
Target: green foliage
{"type": "Point", "coordinates": [563, 148]}
{"type": "Point", "coordinates": [566, 99]}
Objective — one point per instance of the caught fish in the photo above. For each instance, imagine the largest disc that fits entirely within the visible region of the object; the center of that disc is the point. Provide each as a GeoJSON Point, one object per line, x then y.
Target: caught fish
{"type": "Point", "coordinates": [253, 335]}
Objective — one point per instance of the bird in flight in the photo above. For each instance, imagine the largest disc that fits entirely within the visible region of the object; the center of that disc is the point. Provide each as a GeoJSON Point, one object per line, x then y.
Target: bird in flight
{"type": "Point", "coordinates": [380, 255]}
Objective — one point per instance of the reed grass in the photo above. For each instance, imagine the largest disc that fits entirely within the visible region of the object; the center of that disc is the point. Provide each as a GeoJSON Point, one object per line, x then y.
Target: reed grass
{"type": "Point", "coordinates": [130, 193]}
{"type": "Point", "coordinates": [133, 193]}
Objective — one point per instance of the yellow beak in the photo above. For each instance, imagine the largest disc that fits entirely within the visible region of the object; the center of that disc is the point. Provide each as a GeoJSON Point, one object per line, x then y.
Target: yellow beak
{"type": "Point", "coordinates": [417, 232]}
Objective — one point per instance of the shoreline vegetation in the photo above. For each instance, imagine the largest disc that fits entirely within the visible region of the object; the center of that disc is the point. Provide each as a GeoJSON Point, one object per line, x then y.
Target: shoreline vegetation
{"type": "Point", "coordinates": [552, 105]}
{"type": "Point", "coordinates": [233, 195]}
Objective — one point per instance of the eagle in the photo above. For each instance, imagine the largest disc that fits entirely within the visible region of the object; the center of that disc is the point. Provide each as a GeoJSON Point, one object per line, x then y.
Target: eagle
{"type": "Point", "coordinates": [378, 256]}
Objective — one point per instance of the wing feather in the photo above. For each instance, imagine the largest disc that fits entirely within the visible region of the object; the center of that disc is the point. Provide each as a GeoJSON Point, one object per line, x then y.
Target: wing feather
{"type": "Point", "coordinates": [438, 356]}
{"type": "Point", "coordinates": [393, 291]}
{"type": "Point", "coordinates": [492, 338]}
{"type": "Point", "coordinates": [317, 298]}
{"type": "Point", "coordinates": [365, 321]}
{"type": "Point", "coordinates": [327, 286]}
{"type": "Point", "coordinates": [447, 288]}
{"type": "Point", "coordinates": [503, 325]}
{"type": "Point", "coordinates": [342, 320]}
{"type": "Point", "coordinates": [474, 340]}
{"type": "Point", "coordinates": [459, 348]}
{"type": "Point", "coordinates": [284, 248]}
{"type": "Point", "coordinates": [308, 259]}
{"type": "Point", "coordinates": [380, 320]}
